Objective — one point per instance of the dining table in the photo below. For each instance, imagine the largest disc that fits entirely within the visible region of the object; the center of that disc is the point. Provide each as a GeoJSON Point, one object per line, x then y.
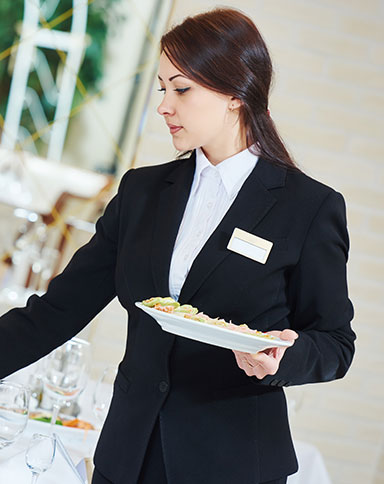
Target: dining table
{"type": "Point", "coordinates": [80, 446]}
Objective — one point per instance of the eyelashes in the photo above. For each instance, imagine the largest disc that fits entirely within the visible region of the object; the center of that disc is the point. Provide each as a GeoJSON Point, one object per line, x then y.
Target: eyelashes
{"type": "Point", "coordinates": [179, 91]}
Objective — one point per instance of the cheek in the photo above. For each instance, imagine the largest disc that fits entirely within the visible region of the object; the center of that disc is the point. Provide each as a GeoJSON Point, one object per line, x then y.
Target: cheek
{"type": "Point", "coordinates": [215, 112]}
{"type": "Point", "coordinates": [206, 116]}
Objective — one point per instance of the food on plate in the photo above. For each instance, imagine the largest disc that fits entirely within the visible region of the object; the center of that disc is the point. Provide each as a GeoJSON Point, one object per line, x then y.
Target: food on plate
{"type": "Point", "coordinates": [78, 424]}
{"type": "Point", "coordinates": [169, 305]}
{"type": "Point", "coordinates": [43, 417]}
{"type": "Point", "coordinates": [165, 304]}
{"type": "Point", "coordinates": [186, 309]}
{"type": "Point", "coordinates": [74, 423]}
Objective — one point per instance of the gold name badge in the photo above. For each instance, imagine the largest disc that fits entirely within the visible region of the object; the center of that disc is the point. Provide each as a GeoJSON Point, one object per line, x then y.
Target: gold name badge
{"type": "Point", "coordinates": [250, 245]}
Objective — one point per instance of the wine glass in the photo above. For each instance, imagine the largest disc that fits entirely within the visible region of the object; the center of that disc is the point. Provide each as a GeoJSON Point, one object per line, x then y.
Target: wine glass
{"type": "Point", "coordinates": [65, 373]}
{"type": "Point", "coordinates": [40, 454]}
{"type": "Point", "coordinates": [14, 403]}
{"type": "Point", "coordinates": [102, 395]}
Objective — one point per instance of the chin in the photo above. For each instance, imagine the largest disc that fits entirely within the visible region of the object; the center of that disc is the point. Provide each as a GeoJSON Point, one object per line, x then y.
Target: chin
{"type": "Point", "coordinates": [183, 144]}
{"type": "Point", "coordinates": [180, 146]}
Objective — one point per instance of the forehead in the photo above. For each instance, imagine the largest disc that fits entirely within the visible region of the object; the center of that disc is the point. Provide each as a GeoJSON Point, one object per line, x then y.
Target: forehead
{"type": "Point", "coordinates": [167, 69]}
{"type": "Point", "coordinates": [167, 72]}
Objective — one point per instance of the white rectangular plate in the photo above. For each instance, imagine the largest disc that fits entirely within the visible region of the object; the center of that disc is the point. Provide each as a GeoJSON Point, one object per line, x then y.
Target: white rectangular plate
{"type": "Point", "coordinates": [211, 334]}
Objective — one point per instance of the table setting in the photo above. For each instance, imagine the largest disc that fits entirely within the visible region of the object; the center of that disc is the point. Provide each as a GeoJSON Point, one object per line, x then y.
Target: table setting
{"type": "Point", "coordinates": [50, 418]}
{"type": "Point", "coordinates": [51, 414]}
{"type": "Point", "coordinates": [13, 462]}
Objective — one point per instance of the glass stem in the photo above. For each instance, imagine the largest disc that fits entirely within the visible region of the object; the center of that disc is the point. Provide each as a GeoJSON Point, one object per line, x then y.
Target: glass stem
{"type": "Point", "coordinates": [55, 412]}
{"type": "Point", "coordinates": [35, 476]}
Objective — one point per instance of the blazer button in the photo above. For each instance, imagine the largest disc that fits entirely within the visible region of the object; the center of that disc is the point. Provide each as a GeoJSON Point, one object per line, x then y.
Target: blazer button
{"type": "Point", "coordinates": [163, 386]}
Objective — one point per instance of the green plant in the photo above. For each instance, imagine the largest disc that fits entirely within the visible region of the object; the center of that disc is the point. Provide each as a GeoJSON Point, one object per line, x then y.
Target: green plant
{"type": "Point", "coordinates": [103, 19]}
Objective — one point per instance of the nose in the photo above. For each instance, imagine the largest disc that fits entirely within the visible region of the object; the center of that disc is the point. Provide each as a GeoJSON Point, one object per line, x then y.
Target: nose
{"type": "Point", "coordinates": [165, 108]}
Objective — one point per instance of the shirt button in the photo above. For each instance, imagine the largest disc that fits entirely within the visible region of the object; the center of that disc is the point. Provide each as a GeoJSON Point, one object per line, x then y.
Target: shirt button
{"type": "Point", "coordinates": [209, 205]}
{"type": "Point", "coordinates": [163, 386]}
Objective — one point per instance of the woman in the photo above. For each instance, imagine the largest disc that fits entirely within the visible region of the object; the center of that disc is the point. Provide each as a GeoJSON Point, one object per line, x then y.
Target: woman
{"type": "Point", "coordinates": [185, 412]}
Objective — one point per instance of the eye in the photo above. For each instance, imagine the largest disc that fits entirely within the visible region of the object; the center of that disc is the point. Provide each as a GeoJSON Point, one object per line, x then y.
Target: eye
{"type": "Point", "coordinates": [182, 90]}
{"type": "Point", "coordinates": [178, 90]}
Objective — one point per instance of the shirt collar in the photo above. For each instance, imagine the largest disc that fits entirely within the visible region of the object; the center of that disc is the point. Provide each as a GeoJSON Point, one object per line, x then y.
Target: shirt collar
{"type": "Point", "coordinates": [233, 171]}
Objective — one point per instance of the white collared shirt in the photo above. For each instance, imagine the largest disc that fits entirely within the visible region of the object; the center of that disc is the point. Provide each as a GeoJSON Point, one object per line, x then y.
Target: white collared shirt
{"type": "Point", "coordinates": [214, 188]}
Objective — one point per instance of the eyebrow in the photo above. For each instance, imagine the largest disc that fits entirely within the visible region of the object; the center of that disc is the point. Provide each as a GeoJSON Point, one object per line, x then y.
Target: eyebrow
{"type": "Point", "coordinates": [173, 77]}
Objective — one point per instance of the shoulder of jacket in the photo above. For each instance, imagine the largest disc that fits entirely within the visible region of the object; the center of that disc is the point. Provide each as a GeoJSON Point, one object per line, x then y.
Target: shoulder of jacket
{"type": "Point", "coordinates": [147, 175]}
{"type": "Point", "coordinates": [304, 185]}
{"type": "Point", "coordinates": [158, 170]}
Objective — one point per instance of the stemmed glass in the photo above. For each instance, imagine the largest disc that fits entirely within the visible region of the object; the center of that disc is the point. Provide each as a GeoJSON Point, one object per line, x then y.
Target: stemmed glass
{"type": "Point", "coordinates": [40, 454]}
{"type": "Point", "coordinates": [102, 395]}
{"type": "Point", "coordinates": [14, 403]}
{"type": "Point", "coordinates": [65, 373]}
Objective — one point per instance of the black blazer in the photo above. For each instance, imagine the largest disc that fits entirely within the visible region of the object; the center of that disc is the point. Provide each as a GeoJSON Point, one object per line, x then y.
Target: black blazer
{"type": "Point", "coordinates": [217, 424]}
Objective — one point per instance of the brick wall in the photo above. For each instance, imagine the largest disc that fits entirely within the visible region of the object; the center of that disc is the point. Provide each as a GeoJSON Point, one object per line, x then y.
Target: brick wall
{"type": "Point", "coordinates": [328, 103]}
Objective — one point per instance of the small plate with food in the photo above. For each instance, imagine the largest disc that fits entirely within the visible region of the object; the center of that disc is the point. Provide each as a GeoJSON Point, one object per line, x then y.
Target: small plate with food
{"type": "Point", "coordinates": [185, 320]}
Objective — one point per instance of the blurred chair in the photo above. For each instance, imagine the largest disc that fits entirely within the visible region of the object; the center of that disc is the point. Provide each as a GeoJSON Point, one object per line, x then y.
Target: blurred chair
{"type": "Point", "coordinates": [63, 200]}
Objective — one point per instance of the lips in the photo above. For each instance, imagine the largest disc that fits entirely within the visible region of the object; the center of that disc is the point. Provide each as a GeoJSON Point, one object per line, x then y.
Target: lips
{"type": "Point", "coordinates": [173, 128]}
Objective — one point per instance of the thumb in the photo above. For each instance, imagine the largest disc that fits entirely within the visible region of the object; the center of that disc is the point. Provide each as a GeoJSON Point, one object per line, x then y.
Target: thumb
{"type": "Point", "coordinates": [288, 335]}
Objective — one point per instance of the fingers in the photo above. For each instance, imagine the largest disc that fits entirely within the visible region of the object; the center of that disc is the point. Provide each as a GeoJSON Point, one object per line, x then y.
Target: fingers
{"type": "Point", "coordinates": [285, 334]}
{"type": "Point", "coordinates": [288, 335]}
{"type": "Point", "coordinates": [253, 366]}
{"type": "Point", "coordinates": [243, 363]}
{"type": "Point", "coordinates": [265, 362]}
{"type": "Point", "coordinates": [259, 364]}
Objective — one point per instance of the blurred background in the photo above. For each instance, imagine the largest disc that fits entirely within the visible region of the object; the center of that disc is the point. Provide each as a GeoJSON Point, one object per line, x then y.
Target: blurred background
{"type": "Point", "coordinates": [78, 98]}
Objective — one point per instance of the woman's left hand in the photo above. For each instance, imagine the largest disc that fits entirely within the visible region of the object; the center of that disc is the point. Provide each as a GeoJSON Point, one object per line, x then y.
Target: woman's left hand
{"type": "Point", "coordinates": [265, 362]}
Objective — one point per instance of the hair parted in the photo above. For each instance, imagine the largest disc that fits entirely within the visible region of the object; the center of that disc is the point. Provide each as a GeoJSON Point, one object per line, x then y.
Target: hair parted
{"type": "Point", "coordinates": [223, 50]}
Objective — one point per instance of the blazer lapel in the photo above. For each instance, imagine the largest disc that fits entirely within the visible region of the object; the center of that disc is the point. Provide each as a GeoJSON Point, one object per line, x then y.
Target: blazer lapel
{"type": "Point", "coordinates": [250, 206]}
{"type": "Point", "coordinates": [169, 213]}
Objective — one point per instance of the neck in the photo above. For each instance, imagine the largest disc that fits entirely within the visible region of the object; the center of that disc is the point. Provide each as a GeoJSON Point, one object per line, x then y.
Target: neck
{"type": "Point", "coordinates": [217, 154]}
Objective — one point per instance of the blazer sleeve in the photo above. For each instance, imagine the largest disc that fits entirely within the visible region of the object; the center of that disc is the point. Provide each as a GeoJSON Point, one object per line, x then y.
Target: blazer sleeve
{"type": "Point", "coordinates": [321, 311]}
{"type": "Point", "coordinates": [72, 300]}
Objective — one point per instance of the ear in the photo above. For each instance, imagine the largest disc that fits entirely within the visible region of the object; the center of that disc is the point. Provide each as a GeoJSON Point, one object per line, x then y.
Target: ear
{"type": "Point", "coordinates": [234, 103]}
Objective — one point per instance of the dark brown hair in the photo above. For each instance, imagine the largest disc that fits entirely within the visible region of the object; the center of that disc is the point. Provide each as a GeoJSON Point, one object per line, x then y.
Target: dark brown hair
{"type": "Point", "coordinates": [223, 50]}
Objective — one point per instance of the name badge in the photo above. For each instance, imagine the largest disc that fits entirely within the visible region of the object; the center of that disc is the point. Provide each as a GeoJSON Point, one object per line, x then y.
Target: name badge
{"type": "Point", "coordinates": [250, 245]}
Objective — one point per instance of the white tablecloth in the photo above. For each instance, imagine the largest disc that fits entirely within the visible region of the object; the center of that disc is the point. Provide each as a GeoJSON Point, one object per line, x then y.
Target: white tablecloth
{"type": "Point", "coordinates": [13, 469]}
{"type": "Point", "coordinates": [79, 443]}
{"type": "Point", "coordinates": [312, 469]}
